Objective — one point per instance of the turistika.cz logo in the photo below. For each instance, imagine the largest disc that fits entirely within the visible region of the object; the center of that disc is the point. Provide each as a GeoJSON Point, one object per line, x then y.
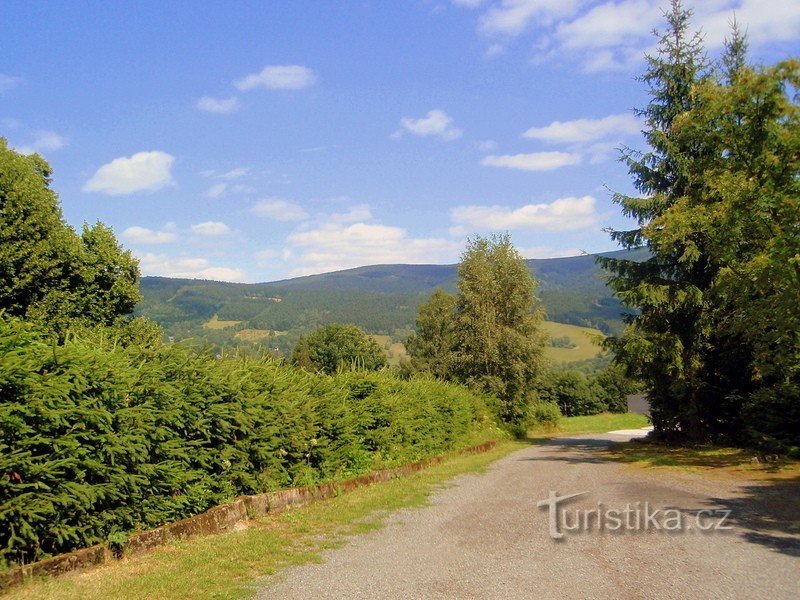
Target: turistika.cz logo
{"type": "Point", "coordinates": [633, 517]}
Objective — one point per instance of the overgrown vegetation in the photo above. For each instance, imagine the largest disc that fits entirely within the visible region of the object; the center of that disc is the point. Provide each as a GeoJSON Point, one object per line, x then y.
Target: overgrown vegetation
{"type": "Point", "coordinates": [716, 340]}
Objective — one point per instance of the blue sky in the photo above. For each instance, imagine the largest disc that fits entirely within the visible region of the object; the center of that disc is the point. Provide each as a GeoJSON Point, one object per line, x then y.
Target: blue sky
{"type": "Point", "coordinates": [252, 141]}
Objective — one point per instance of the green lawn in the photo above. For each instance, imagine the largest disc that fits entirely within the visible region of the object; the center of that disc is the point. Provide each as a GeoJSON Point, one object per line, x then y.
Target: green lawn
{"type": "Point", "coordinates": [225, 566]}
{"type": "Point", "coordinates": [596, 423]}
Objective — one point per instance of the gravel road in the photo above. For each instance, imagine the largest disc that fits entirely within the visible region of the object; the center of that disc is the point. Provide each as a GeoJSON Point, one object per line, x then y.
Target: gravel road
{"type": "Point", "coordinates": [485, 537]}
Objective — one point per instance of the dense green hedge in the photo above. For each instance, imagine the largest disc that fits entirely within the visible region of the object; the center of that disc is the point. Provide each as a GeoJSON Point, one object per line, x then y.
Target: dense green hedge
{"type": "Point", "coordinates": [98, 439]}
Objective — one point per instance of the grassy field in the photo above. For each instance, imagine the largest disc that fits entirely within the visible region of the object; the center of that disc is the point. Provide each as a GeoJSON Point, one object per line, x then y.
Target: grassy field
{"type": "Point", "coordinates": [584, 338]}
{"type": "Point", "coordinates": [256, 335]}
{"type": "Point", "coordinates": [225, 566]}
{"type": "Point", "coordinates": [215, 323]}
{"type": "Point", "coordinates": [395, 351]}
{"type": "Point", "coordinates": [601, 423]}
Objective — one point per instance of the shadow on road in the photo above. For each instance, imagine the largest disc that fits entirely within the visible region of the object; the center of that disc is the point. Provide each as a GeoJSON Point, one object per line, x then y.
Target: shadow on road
{"type": "Point", "coordinates": [763, 510]}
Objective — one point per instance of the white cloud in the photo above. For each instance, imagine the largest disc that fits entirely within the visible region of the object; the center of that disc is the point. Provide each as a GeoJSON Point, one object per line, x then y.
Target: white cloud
{"type": "Point", "coordinates": [766, 22]}
{"type": "Point", "coordinates": [186, 267]}
{"type": "Point", "coordinates": [614, 34]}
{"type": "Point", "coordinates": [211, 228]}
{"type": "Point", "coordinates": [335, 246]}
{"type": "Point", "coordinates": [611, 24]}
{"type": "Point", "coordinates": [222, 106]}
{"type": "Point", "coordinates": [9, 82]}
{"type": "Point", "coordinates": [217, 190]}
{"type": "Point", "coordinates": [585, 130]}
{"type": "Point", "coordinates": [512, 17]}
{"type": "Point", "coordinates": [279, 210]}
{"type": "Point", "coordinates": [144, 171]}
{"type": "Point", "coordinates": [360, 212]}
{"type": "Point", "coordinates": [536, 161]}
{"type": "Point", "coordinates": [559, 215]}
{"type": "Point", "coordinates": [278, 77]}
{"type": "Point", "coordinates": [44, 141]}
{"type": "Point", "coordinates": [467, 3]}
{"type": "Point", "coordinates": [436, 122]}
{"type": "Point", "coordinates": [142, 235]}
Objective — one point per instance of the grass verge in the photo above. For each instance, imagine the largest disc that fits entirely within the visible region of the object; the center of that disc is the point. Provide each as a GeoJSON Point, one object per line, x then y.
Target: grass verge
{"type": "Point", "coordinates": [226, 566]}
{"type": "Point", "coordinates": [594, 424]}
{"type": "Point", "coordinates": [718, 460]}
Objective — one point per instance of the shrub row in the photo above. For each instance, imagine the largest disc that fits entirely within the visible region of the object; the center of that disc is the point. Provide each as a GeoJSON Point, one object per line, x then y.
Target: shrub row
{"type": "Point", "coordinates": [99, 438]}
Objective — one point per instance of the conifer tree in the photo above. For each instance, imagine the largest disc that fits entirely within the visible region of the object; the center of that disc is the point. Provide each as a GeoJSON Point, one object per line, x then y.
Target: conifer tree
{"type": "Point", "coordinates": [665, 343]}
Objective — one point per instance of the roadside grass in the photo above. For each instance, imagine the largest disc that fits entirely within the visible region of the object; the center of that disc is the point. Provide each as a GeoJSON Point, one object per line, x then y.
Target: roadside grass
{"type": "Point", "coordinates": [703, 459]}
{"type": "Point", "coordinates": [226, 566]}
{"type": "Point", "coordinates": [601, 423]}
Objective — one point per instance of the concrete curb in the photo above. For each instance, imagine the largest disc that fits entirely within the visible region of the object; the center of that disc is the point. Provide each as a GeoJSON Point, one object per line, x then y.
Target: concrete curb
{"type": "Point", "coordinates": [214, 521]}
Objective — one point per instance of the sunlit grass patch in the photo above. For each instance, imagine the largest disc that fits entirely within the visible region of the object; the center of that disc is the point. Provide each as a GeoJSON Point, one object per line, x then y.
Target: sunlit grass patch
{"type": "Point", "coordinates": [702, 459]}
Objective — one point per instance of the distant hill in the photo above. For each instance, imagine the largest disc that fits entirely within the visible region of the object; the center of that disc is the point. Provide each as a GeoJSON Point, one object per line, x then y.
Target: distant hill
{"type": "Point", "coordinates": [383, 299]}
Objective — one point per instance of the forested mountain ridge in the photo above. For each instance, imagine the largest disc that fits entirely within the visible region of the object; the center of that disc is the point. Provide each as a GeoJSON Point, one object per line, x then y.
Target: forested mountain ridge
{"type": "Point", "coordinates": [379, 298]}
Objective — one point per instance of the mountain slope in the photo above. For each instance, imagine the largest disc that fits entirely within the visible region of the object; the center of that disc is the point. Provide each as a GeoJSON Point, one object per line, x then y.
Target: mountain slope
{"type": "Point", "coordinates": [382, 299]}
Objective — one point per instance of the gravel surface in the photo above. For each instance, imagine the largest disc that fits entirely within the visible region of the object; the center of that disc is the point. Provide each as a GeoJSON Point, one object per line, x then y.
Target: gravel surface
{"type": "Point", "coordinates": [485, 537]}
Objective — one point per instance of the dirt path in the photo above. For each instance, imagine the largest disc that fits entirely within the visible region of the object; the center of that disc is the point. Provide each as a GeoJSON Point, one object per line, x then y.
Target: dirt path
{"type": "Point", "coordinates": [485, 537]}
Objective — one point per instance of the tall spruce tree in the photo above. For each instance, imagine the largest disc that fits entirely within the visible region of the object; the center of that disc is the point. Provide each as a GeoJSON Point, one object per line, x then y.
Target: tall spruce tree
{"type": "Point", "coordinates": [665, 343]}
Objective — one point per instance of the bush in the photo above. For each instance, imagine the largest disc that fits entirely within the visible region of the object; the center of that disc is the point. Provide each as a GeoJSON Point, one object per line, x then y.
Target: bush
{"type": "Point", "coordinates": [546, 414]}
{"type": "Point", "coordinates": [336, 347]}
{"type": "Point", "coordinates": [573, 393]}
{"type": "Point", "coordinates": [100, 438]}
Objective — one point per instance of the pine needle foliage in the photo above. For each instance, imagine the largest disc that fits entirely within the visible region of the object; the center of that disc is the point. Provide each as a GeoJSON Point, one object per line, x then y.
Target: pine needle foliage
{"type": "Point", "coordinates": [99, 438]}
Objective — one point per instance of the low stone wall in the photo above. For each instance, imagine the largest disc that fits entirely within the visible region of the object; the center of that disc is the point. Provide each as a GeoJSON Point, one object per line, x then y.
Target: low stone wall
{"type": "Point", "coordinates": [216, 520]}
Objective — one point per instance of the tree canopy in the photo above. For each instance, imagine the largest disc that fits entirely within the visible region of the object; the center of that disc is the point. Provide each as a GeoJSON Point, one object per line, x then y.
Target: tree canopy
{"type": "Point", "coordinates": [336, 347]}
{"type": "Point", "coordinates": [48, 272]}
{"type": "Point", "coordinates": [715, 340]}
{"type": "Point", "coordinates": [489, 334]}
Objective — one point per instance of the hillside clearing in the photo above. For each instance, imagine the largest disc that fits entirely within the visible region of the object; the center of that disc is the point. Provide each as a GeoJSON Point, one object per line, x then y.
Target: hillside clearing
{"type": "Point", "coordinates": [585, 340]}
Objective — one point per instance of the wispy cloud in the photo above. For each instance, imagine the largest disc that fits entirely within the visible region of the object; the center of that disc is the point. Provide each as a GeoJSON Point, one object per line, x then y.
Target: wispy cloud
{"type": "Point", "coordinates": [559, 215]}
{"type": "Point", "coordinates": [614, 34]}
{"type": "Point", "coordinates": [535, 161]}
{"type": "Point", "coordinates": [142, 172]}
{"type": "Point", "coordinates": [360, 212]}
{"type": "Point", "coordinates": [44, 141]}
{"type": "Point", "coordinates": [435, 123]}
{"type": "Point", "coordinates": [279, 210]}
{"type": "Point", "coordinates": [222, 106]}
{"type": "Point", "coordinates": [211, 228]}
{"type": "Point", "coordinates": [143, 235]}
{"type": "Point", "coordinates": [336, 246]}
{"type": "Point", "coordinates": [512, 17]}
{"type": "Point", "coordinates": [187, 267]}
{"type": "Point", "coordinates": [278, 77]}
{"type": "Point", "coordinates": [585, 130]}
{"type": "Point", "coordinates": [9, 82]}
